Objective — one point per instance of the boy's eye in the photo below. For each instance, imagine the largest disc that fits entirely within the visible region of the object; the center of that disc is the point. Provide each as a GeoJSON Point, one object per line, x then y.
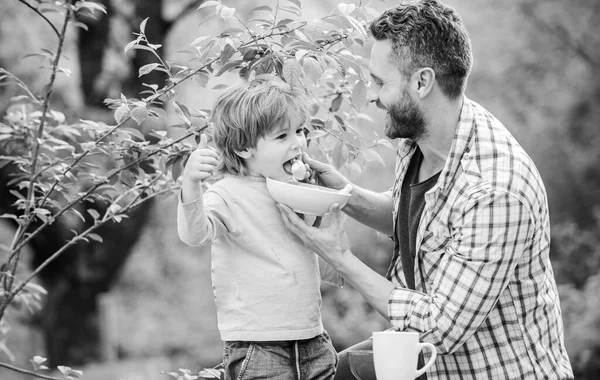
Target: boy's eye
{"type": "Point", "coordinates": [300, 131]}
{"type": "Point", "coordinates": [281, 136]}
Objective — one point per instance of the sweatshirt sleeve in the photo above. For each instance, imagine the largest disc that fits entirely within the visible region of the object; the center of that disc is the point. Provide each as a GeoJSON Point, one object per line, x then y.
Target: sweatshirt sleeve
{"type": "Point", "coordinates": [204, 219]}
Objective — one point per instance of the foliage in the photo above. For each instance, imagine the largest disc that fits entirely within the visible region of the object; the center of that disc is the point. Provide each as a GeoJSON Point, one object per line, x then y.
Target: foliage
{"type": "Point", "coordinates": [56, 160]}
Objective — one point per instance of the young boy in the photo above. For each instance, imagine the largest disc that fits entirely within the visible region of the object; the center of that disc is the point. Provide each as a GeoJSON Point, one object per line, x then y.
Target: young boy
{"type": "Point", "coordinates": [265, 281]}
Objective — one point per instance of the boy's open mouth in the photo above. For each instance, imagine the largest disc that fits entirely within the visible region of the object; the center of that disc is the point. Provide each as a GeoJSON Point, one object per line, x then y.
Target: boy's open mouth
{"type": "Point", "coordinates": [287, 166]}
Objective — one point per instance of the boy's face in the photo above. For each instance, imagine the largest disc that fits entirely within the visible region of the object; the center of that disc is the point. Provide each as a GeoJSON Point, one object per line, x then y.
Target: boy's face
{"type": "Point", "coordinates": [285, 142]}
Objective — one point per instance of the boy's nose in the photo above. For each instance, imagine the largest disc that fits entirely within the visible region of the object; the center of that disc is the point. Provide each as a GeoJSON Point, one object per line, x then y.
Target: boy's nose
{"type": "Point", "coordinates": [299, 141]}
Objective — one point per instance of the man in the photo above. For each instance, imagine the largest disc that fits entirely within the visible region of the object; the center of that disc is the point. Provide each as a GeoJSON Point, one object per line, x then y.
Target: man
{"type": "Point", "coordinates": [468, 212]}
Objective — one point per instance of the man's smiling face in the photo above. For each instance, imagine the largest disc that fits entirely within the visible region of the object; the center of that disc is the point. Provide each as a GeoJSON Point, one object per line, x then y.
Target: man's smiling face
{"type": "Point", "coordinates": [390, 91]}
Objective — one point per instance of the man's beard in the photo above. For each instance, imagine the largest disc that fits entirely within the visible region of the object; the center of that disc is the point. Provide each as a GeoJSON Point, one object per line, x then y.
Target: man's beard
{"type": "Point", "coordinates": [405, 120]}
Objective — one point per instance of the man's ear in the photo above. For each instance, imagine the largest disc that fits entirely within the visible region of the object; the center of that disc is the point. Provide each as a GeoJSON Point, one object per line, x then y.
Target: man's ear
{"type": "Point", "coordinates": [245, 154]}
{"type": "Point", "coordinates": [425, 79]}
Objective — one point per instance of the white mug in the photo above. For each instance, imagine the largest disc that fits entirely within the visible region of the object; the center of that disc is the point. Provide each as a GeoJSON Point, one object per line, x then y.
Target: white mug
{"type": "Point", "coordinates": [396, 353]}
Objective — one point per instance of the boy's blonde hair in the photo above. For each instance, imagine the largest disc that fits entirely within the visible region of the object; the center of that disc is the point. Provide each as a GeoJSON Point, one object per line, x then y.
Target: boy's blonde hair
{"type": "Point", "coordinates": [247, 112]}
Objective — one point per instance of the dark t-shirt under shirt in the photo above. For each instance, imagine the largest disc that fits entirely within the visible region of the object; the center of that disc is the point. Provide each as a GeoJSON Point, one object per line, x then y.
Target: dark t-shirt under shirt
{"type": "Point", "coordinates": [412, 202]}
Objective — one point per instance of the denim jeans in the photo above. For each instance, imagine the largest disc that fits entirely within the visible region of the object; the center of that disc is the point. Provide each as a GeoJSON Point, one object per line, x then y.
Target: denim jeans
{"type": "Point", "coordinates": [309, 359]}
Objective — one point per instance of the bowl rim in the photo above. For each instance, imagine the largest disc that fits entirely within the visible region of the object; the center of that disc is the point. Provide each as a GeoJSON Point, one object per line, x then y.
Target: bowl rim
{"type": "Point", "coordinates": [310, 187]}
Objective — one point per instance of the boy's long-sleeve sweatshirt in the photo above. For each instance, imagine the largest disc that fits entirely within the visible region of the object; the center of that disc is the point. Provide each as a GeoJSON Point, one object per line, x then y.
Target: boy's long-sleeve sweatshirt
{"type": "Point", "coordinates": [266, 283]}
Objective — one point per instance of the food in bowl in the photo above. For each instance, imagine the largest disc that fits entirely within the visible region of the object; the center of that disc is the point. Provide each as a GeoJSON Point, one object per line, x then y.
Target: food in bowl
{"type": "Point", "coordinates": [305, 198]}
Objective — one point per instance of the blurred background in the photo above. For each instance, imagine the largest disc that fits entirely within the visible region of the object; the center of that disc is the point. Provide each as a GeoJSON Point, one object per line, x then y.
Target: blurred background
{"type": "Point", "coordinates": [151, 310]}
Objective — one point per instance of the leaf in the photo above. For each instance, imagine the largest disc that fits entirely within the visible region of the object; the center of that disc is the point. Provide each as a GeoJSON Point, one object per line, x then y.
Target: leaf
{"type": "Point", "coordinates": [291, 9]}
{"type": "Point", "coordinates": [143, 25]}
{"type": "Point", "coordinates": [177, 168]}
{"type": "Point", "coordinates": [372, 155]}
{"type": "Point", "coordinates": [210, 373]}
{"type": "Point", "coordinates": [220, 86]}
{"type": "Point", "coordinates": [312, 68]}
{"type": "Point", "coordinates": [291, 71]}
{"type": "Point", "coordinates": [359, 95]}
{"type": "Point", "coordinates": [139, 114]}
{"type": "Point", "coordinates": [207, 4]}
{"type": "Point", "coordinates": [121, 113]}
{"type": "Point", "coordinates": [316, 134]}
{"type": "Point", "coordinates": [95, 237]}
{"type": "Point", "coordinates": [339, 154]}
{"type": "Point", "coordinates": [90, 6]}
{"type": "Point", "coordinates": [386, 143]}
{"type": "Point", "coordinates": [183, 112]}
{"type": "Point", "coordinates": [95, 215]}
{"type": "Point", "coordinates": [297, 3]}
{"type": "Point", "coordinates": [336, 103]}
{"type": "Point", "coordinates": [357, 25]}
{"type": "Point", "coordinates": [262, 8]}
{"type": "Point", "coordinates": [146, 69]}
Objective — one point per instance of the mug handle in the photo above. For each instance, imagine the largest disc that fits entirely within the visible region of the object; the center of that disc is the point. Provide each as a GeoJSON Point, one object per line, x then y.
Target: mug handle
{"type": "Point", "coordinates": [431, 348]}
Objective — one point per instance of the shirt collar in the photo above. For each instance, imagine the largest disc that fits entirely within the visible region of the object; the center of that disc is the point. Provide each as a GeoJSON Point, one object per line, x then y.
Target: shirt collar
{"type": "Point", "coordinates": [460, 143]}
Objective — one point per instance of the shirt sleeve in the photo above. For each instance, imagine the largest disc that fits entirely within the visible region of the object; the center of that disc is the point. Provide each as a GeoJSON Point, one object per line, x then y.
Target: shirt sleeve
{"type": "Point", "coordinates": [488, 240]}
{"type": "Point", "coordinates": [204, 219]}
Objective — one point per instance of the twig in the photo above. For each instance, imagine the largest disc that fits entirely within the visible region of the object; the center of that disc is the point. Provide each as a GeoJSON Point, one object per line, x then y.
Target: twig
{"type": "Point", "coordinates": [22, 229]}
{"type": "Point", "coordinates": [41, 15]}
{"type": "Point", "coordinates": [26, 240]}
{"type": "Point", "coordinates": [30, 373]}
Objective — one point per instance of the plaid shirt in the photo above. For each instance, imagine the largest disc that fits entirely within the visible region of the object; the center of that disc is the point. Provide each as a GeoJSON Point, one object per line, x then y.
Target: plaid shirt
{"type": "Point", "coordinates": [485, 291]}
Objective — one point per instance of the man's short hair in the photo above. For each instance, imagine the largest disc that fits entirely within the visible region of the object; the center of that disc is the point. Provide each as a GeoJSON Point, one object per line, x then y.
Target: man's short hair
{"type": "Point", "coordinates": [247, 112]}
{"type": "Point", "coordinates": [431, 34]}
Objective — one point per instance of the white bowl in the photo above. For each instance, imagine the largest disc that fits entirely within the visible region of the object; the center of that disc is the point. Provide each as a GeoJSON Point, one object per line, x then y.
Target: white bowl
{"type": "Point", "coordinates": [305, 198]}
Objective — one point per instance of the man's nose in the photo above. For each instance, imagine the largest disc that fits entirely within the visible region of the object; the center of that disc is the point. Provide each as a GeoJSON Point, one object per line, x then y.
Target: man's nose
{"type": "Point", "coordinates": [372, 95]}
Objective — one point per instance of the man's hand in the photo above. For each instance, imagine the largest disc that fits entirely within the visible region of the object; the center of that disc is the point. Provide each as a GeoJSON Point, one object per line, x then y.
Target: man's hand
{"type": "Point", "coordinates": [331, 243]}
{"type": "Point", "coordinates": [325, 174]}
{"type": "Point", "coordinates": [200, 166]}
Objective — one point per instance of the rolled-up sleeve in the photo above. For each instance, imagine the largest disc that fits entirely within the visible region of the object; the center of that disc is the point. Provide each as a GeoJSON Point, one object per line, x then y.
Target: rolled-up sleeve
{"type": "Point", "coordinates": [488, 240]}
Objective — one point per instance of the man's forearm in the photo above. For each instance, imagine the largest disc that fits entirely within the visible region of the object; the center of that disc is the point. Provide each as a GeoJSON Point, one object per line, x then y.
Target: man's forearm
{"type": "Point", "coordinates": [374, 288]}
{"type": "Point", "coordinates": [371, 209]}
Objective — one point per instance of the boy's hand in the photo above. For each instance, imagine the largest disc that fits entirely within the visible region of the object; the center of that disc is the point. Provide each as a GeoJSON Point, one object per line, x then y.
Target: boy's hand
{"type": "Point", "coordinates": [201, 163]}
